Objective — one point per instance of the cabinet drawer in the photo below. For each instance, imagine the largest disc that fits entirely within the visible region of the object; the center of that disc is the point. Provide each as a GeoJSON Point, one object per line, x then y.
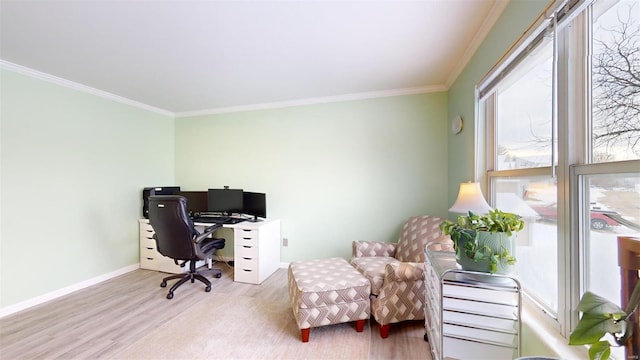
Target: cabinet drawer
{"type": "Point", "coordinates": [480, 335]}
{"type": "Point", "coordinates": [464, 349]}
{"type": "Point", "coordinates": [245, 233]}
{"type": "Point", "coordinates": [146, 234]}
{"type": "Point", "coordinates": [160, 263]}
{"type": "Point", "coordinates": [245, 238]}
{"type": "Point", "coordinates": [246, 251]}
{"type": "Point", "coordinates": [149, 253]}
{"type": "Point", "coordinates": [146, 226]}
{"type": "Point", "coordinates": [147, 243]}
{"type": "Point", "coordinates": [149, 263]}
{"type": "Point", "coordinates": [246, 263]}
{"type": "Point", "coordinates": [509, 326]}
{"type": "Point", "coordinates": [245, 268]}
{"type": "Point", "coordinates": [245, 276]}
{"type": "Point", "coordinates": [474, 307]}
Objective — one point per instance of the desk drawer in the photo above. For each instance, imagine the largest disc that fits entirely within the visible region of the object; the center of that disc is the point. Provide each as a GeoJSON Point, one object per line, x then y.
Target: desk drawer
{"type": "Point", "coordinates": [149, 253]}
{"type": "Point", "coordinates": [246, 251]}
{"type": "Point", "coordinates": [245, 237]}
{"type": "Point", "coordinates": [245, 270]}
{"type": "Point", "coordinates": [146, 235]}
{"type": "Point", "coordinates": [246, 263]}
{"type": "Point", "coordinates": [158, 262]}
{"type": "Point", "coordinates": [145, 226]}
{"type": "Point", "coordinates": [147, 243]}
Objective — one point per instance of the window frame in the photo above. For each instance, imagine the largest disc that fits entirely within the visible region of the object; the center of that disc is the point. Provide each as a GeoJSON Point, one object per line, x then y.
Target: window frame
{"type": "Point", "coordinates": [572, 114]}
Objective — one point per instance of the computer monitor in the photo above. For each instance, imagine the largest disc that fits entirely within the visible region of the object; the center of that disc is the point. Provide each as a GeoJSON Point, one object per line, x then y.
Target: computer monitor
{"type": "Point", "coordinates": [254, 204]}
{"type": "Point", "coordinates": [197, 201]}
{"type": "Point", "coordinates": [226, 201]}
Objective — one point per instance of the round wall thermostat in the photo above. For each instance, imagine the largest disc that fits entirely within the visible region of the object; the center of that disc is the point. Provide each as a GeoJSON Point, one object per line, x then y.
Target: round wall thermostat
{"type": "Point", "coordinates": [456, 125]}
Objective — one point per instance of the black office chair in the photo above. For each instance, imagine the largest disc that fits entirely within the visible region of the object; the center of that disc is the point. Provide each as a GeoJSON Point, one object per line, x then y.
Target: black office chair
{"type": "Point", "coordinates": [177, 238]}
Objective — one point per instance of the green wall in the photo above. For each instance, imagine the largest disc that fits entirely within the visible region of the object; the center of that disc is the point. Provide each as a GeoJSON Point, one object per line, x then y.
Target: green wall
{"type": "Point", "coordinates": [73, 166]}
{"type": "Point", "coordinates": [333, 173]}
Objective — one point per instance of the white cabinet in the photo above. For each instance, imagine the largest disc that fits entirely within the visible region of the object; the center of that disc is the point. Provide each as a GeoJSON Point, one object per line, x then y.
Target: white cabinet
{"type": "Point", "coordinates": [256, 250]}
{"type": "Point", "coordinates": [150, 258]}
{"type": "Point", "coordinates": [469, 314]}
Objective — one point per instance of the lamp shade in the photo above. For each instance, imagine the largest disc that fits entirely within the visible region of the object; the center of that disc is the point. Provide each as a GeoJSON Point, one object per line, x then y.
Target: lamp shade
{"type": "Point", "coordinates": [470, 199]}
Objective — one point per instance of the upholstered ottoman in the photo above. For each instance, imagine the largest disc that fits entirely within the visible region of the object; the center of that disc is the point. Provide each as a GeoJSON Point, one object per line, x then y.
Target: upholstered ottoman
{"type": "Point", "coordinates": [327, 291]}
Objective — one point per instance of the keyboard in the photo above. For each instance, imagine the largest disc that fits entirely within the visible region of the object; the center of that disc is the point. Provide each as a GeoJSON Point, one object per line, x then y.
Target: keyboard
{"type": "Point", "coordinates": [217, 220]}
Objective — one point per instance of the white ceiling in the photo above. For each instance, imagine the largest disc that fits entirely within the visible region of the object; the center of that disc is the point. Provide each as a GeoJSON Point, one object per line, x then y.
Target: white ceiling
{"type": "Point", "coordinates": [188, 57]}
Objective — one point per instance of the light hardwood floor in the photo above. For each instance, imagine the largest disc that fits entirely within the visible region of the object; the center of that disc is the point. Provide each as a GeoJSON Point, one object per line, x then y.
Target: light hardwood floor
{"type": "Point", "coordinates": [101, 321]}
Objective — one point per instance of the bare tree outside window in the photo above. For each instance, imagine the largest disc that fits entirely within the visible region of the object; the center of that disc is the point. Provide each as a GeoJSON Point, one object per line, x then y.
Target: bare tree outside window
{"type": "Point", "coordinates": [616, 85]}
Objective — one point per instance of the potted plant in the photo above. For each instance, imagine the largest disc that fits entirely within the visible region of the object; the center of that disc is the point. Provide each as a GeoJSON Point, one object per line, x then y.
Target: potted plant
{"type": "Point", "coordinates": [601, 317]}
{"type": "Point", "coordinates": [485, 243]}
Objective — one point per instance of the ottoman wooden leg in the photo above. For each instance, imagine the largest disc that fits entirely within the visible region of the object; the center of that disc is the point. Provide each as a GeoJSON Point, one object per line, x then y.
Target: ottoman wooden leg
{"type": "Point", "coordinates": [359, 325]}
{"type": "Point", "coordinates": [305, 334]}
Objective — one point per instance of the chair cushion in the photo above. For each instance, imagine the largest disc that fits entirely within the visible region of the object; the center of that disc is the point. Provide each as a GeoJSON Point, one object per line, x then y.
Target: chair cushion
{"type": "Point", "coordinates": [210, 245]}
{"type": "Point", "coordinates": [372, 267]}
{"type": "Point", "coordinates": [416, 233]}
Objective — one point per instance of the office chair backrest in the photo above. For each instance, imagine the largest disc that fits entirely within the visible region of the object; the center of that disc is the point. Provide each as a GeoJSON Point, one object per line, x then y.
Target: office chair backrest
{"type": "Point", "coordinates": [173, 227]}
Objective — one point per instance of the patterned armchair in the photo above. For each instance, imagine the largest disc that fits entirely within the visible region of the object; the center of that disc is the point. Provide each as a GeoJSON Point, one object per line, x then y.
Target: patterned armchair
{"type": "Point", "coordinates": [396, 271]}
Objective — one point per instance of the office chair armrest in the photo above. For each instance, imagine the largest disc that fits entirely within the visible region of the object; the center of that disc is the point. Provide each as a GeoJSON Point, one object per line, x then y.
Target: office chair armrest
{"type": "Point", "coordinates": [205, 234]}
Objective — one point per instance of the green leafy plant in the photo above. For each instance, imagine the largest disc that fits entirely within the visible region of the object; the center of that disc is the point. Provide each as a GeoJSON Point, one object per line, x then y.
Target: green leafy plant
{"type": "Point", "coordinates": [464, 233]}
{"type": "Point", "coordinates": [601, 317]}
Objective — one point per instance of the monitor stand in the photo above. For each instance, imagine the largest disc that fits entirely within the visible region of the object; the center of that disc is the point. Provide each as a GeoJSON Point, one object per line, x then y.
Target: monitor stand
{"type": "Point", "coordinates": [255, 219]}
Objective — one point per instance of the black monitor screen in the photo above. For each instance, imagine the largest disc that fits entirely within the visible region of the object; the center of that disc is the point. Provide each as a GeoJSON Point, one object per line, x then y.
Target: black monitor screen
{"type": "Point", "coordinates": [226, 201]}
{"type": "Point", "coordinates": [197, 201]}
{"type": "Point", "coordinates": [255, 204]}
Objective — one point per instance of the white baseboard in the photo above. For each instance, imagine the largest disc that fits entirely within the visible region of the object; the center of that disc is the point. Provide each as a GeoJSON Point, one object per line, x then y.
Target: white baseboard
{"type": "Point", "coordinates": [65, 291]}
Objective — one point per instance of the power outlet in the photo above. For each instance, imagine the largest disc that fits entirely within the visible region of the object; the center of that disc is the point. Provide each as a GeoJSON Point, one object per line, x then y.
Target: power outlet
{"type": "Point", "coordinates": [285, 242]}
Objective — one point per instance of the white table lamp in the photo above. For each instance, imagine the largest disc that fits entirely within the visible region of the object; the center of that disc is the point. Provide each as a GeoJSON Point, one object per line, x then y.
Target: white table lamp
{"type": "Point", "coordinates": [470, 199]}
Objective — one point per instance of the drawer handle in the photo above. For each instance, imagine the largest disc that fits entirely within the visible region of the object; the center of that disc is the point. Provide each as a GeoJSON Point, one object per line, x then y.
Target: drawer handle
{"type": "Point", "coordinates": [149, 258]}
{"type": "Point", "coordinates": [149, 230]}
{"type": "Point", "coordinates": [247, 270]}
{"type": "Point", "coordinates": [247, 238]}
{"type": "Point", "coordinates": [149, 248]}
{"type": "Point", "coordinates": [246, 247]}
{"type": "Point", "coordinates": [247, 258]}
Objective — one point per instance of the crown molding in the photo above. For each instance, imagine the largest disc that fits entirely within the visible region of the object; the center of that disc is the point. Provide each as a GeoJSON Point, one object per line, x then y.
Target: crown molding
{"type": "Point", "coordinates": [489, 21]}
{"type": "Point", "coordinates": [79, 87]}
{"type": "Point", "coordinates": [313, 101]}
{"type": "Point", "coordinates": [222, 110]}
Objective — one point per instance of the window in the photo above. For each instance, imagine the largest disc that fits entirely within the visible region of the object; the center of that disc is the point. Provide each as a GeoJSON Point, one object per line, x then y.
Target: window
{"type": "Point", "coordinates": [616, 81]}
{"type": "Point", "coordinates": [562, 149]}
{"type": "Point", "coordinates": [524, 112]}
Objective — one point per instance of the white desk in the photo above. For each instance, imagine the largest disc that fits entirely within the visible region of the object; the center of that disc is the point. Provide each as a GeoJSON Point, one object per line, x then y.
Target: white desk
{"type": "Point", "coordinates": [256, 250]}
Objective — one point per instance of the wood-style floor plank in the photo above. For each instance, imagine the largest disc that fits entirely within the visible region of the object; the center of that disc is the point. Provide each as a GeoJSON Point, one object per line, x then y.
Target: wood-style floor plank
{"type": "Point", "coordinates": [102, 320]}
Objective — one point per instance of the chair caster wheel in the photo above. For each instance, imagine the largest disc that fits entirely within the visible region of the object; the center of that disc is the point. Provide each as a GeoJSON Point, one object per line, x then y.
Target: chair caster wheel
{"type": "Point", "coordinates": [170, 296]}
{"type": "Point", "coordinates": [163, 284]}
{"type": "Point", "coordinates": [218, 276]}
{"type": "Point", "coordinates": [207, 289]}
{"type": "Point", "coordinates": [426, 337]}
